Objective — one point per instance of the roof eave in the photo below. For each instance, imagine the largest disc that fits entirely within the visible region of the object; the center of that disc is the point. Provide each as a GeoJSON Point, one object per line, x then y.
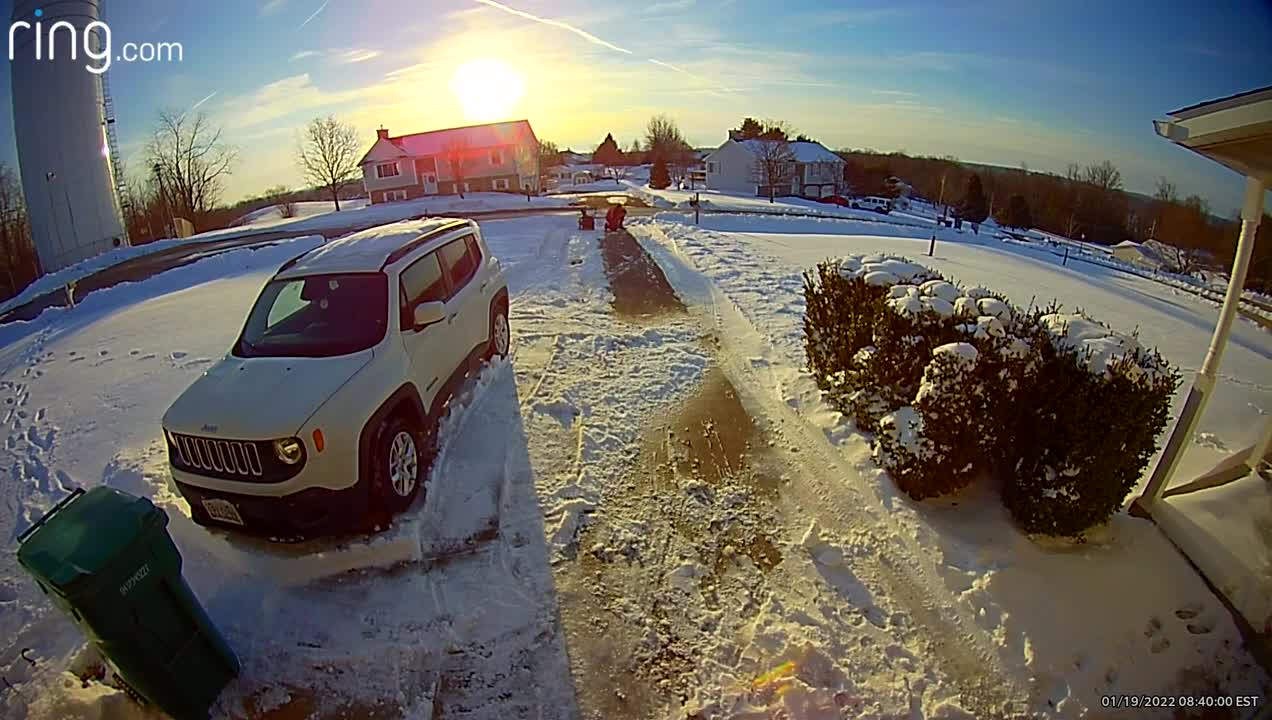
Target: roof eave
{"type": "Point", "coordinates": [1235, 132]}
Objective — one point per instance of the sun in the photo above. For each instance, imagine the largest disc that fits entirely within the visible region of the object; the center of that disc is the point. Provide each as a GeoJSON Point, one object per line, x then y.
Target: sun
{"type": "Point", "coordinates": [488, 89]}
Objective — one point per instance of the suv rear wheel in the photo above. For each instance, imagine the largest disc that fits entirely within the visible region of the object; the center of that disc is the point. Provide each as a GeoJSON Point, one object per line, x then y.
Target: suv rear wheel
{"type": "Point", "coordinates": [401, 460]}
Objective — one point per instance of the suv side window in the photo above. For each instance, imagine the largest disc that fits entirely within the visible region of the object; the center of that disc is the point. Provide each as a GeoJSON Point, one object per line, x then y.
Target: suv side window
{"type": "Point", "coordinates": [460, 264]}
{"type": "Point", "coordinates": [474, 250]}
{"type": "Point", "coordinates": [423, 281]}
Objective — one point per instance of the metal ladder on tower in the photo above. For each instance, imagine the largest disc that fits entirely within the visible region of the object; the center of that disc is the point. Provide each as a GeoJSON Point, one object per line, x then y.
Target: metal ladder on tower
{"type": "Point", "coordinates": [112, 143]}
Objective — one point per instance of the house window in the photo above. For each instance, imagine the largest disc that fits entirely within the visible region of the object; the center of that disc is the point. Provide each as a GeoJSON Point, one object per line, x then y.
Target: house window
{"type": "Point", "coordinates": [392, 195]}
{"type": "Point", "coordinates": [425, 165]}
{"type": "Point", "coordinates": [385, 170]}
{"type": "Point", "coordinates": [496, 157]}
{"type": "Point", "coordinates": [501, 184]}
{"type": "Point", "coordinates": [468, 187]}
{"type": "Point", "coordinates": [711, 167]}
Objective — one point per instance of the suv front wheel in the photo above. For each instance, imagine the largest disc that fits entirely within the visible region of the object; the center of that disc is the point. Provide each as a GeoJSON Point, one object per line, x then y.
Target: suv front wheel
{"type": "Point", "coordinates": [401, 460]}
{"type": "Point", "coordinates": [500, 333]}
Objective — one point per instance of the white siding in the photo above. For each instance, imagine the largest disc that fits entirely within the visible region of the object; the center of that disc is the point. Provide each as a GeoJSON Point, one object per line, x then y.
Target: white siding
{"type": "Point", "coordinates": [731, 168]}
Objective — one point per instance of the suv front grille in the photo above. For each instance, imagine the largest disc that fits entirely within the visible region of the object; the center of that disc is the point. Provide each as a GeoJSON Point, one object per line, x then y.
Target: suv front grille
{"type": "Point", "coordinates": [240, 460]}
{"type": "Point", "coordinates": [228, 457]}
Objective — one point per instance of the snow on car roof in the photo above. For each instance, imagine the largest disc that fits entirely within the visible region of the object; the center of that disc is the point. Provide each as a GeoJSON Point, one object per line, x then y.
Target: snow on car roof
{"type": "Point", "coordinates": [364, 251]}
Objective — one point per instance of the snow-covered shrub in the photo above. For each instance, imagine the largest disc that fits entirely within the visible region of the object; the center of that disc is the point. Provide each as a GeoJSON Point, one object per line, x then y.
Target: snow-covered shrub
{"type": "Point", "coordinates": [868, 332]}
{"type": "Point", "coordinates": [1097, 403]}
{"type": "Point", "coordinates": [1065, 411]}
{"type": "Point", "coordinates": [935, 446]}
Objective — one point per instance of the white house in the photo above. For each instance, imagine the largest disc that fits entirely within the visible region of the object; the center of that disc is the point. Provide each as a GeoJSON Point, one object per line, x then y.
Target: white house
{"type": "Point", "coordinates": [817, 171]}
{"type": "Point", "coordinates": [493, 157]}
{"type": "Point", "coordinates": [564, 175]}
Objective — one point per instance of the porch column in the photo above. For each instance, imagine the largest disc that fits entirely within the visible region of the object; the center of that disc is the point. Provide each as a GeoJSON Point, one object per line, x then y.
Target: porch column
{"type": "Point", "coordinates": [1204, 383]}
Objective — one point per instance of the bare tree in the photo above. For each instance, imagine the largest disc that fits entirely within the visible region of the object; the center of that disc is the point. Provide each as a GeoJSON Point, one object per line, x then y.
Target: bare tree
{"type": "Point", "coordinates": [328, 155]}
{"type": "Point", "coordinates": [1165, 191]}
{"type": "Point", "coordinates": [1104, 175]}
{"type": "Point", "coordinates": [1073, 172]}
{"type": "Point", "coordinates": [18, 263]}
{"type": "Point", "coordinates": [549, 154]}
{"type": "Point", "coordinates": [458, 156]}
{"type": "Point", "coordinates": [190, 162]}
{"type": "Point", "coordinates": [774, 164]}
{"type": "Point", "coordinates": [663, 138]}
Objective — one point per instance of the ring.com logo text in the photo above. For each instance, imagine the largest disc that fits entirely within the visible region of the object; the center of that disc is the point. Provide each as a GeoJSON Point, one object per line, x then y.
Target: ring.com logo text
{"type": "Point", "coordinates": [94, 38]}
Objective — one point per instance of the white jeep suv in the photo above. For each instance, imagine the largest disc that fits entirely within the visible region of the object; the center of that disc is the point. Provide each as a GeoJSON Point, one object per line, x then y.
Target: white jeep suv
{"type": "Point", "coordinates": [323, 416]}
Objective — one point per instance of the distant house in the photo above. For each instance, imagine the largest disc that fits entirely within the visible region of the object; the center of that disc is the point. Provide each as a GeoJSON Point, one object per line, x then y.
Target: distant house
{"type": "Point", "coordinates": [817, 172]}
{"type": "Point", "coordinates": [1144, 256]}
{"type": "Point", "coordinates": [494, 157]}
{"type": "Point", "coordinates": [565, 175]}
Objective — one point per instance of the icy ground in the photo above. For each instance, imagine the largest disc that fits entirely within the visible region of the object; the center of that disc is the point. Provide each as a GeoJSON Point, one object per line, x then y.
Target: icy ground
{"type": "Point", "coordinates": [681, 526]}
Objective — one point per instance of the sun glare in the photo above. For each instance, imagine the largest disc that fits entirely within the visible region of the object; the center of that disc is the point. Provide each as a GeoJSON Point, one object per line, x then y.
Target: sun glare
{"type": "Point", "coordinates": [488, 89]}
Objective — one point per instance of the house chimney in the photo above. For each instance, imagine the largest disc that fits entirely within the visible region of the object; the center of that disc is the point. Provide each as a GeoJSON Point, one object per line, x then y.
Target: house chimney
{"type": "Point", "coordinates": [382, 133]}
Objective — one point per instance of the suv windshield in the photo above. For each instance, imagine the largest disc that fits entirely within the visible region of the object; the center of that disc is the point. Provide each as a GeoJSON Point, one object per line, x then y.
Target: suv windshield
{"type": "Point", "coordinates": [316, 316]}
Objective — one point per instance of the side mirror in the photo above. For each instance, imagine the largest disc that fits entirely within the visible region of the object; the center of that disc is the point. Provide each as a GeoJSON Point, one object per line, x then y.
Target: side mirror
{"type": "Point", "coordinates": [428, 313]}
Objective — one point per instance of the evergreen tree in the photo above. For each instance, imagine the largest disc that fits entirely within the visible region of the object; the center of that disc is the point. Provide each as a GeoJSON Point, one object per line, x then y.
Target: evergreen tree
{"type": "Point", "coordinates": [608, 152]}
{"type": "Point", "coordinates": [1018, 214]}
{"type": "Point", "coordinates": [659, 178]}
{"type": "Point", "coordinates": [751, 129]}
{"type": "Point", "coordinates": [975, 207]}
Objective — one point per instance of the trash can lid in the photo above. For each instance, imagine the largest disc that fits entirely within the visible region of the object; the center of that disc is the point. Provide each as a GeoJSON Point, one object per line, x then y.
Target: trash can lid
{"type": "Point", "coordinates": [83, 537]}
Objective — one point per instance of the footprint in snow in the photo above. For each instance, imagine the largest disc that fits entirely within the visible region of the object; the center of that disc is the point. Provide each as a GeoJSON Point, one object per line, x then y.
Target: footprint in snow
{"type": "Point", "coordinates": [1160, 643]}
{"type": "Point", "coordinates": [177, 354]}
{"type": "Point", "coordinates": [103, 352]}
{"type": "Point", "coordinates": [134, 352]}
{"type": "Point", "coordinates": [148, 356]}
{"type": "Point", "coordinates": [1193, 620]}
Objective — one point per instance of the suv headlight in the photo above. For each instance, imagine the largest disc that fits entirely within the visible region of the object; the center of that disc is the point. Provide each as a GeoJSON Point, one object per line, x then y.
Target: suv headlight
{"type": "Point", "coordinates": [289, 450]}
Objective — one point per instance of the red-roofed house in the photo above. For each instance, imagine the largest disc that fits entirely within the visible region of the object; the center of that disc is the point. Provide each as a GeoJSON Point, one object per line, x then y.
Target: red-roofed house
{"type": "Point", "coordinates": [494, 157]}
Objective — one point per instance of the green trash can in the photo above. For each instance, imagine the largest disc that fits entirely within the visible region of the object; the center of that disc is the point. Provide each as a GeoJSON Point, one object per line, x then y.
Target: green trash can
{"type": "Point", "coordinates": [105, 558]}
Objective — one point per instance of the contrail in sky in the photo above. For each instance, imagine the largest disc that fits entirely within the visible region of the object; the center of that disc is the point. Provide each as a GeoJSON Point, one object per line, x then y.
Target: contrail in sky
{"type": "Point", "coordinates": [556, 24]}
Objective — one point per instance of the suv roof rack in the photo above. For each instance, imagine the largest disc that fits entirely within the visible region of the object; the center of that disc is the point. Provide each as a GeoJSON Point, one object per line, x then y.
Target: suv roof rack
{"type": "Point", "coordinates": [294, 260]}
{"type": "Point", "coordinates": [422, 239]}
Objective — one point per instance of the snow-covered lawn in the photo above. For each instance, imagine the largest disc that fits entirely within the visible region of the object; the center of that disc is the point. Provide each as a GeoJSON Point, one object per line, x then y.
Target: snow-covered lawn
{"type": "Point", "coordinates": [613, 590]}
{"type": "Point", "coordinates": [273, 214]}
{"type": "Point", "coordinates": [312, 217]}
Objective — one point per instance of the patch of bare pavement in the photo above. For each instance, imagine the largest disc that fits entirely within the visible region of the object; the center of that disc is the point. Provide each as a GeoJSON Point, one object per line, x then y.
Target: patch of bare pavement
{"type": "Point", "coordinates": [692, 518]}
{"type": "Point", "coordinates": [640, 287]}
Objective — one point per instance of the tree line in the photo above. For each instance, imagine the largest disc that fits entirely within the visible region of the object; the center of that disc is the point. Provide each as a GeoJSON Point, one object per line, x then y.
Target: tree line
{"type": "Point", "coordinates": [1084, 202]}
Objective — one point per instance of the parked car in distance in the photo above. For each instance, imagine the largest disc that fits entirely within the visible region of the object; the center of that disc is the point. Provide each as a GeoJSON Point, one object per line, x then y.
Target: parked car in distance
{"type": "Point", "coordinates": [878, 204]}
{"type": "Point", "coordinates": [835, 200]}
{"type": "Point", "coordinates": [323, 415]}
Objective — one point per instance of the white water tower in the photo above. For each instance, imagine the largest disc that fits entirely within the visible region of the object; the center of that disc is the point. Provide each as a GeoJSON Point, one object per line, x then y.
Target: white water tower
{"type": "Point", "coordinates": [60, 120]}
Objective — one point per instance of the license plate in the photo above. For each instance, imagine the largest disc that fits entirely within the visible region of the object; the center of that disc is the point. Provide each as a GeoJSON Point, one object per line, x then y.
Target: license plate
{"type": "Point", "coordinates": [222, 510]}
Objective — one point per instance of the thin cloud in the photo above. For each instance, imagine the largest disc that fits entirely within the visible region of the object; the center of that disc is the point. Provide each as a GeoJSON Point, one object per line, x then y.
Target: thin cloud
{"type": "Point", "coordinates": [304, 54]}
{"type": "Point", "coordinates": [895, 93]}
{"type": "Point", "coordinates": [321, 7]}
{"type": "Point", "coordinates": [669, 6]}
{"type": "Point", "coordinates": [349, 57]}
{"type": "Point", "coordinates": [411, 70]}
{"type": "Point", "coordinates": [853, 16]}
{"type": "Point", "coordinates": [199, 104]}
{"type": "Point", "coordinates": [553, 23]}
{"type": "Point", "coordinates": [272, 6]}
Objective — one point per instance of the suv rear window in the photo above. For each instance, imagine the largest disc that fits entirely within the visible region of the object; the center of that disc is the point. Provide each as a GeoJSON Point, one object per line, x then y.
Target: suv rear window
{"type": "Point", "coordinates": [316, 316]}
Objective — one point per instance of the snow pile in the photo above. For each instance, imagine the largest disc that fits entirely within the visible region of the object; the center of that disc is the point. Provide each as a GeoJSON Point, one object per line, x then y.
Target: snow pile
{"type": "Point", "coordinates": [1101, 348]}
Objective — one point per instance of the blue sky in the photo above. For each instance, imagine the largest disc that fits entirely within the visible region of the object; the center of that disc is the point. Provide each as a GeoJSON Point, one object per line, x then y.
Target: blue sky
{"type": "Point", "coordinates": [997, 81]}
